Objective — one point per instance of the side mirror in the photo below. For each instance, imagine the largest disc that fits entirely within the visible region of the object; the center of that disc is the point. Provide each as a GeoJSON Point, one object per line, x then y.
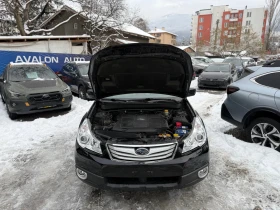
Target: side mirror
{"type": "Point", "coordinates": [1, 79]}
{"type": "Point", "coordinates": [192, 92]}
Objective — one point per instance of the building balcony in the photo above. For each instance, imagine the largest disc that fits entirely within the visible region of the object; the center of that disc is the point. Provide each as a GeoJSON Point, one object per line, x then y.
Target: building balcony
{"type": "Point", "coordinates": [233, 19]}
{"type": "Point", "coordinates": [232, 36]}
{"type": "Point", "coordinates": [232, 27]}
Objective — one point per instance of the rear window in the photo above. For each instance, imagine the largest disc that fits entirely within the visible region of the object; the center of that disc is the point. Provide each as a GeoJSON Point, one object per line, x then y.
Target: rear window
{"type": "Point", "coordinates": [235, 61]}
{"type": "Point", "coordinates": [24, 73]}
{"type": "Point", "coordinates": [270, 80]}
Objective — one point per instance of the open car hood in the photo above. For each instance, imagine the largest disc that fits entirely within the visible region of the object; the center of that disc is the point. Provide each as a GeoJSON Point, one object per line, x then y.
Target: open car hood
{"type": "Point", "coordinates": [141, 68]}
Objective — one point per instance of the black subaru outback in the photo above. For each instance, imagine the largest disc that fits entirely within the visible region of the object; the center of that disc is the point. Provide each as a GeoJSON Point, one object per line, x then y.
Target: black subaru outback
{"type": "Point", "coordinates": [141, 133]}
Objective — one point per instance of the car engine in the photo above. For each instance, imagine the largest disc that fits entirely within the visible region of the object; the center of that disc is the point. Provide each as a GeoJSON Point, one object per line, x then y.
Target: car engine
{"type": "Point", "coordinates": [131, 124]}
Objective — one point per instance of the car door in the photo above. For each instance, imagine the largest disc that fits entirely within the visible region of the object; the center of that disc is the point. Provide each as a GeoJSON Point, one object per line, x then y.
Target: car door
{"type": "Point", "coordinates": [277, 94]}
{"type": "Point", "coordinates": [70, 77]}
{"type": "Point", "coordinates": [233, 72]}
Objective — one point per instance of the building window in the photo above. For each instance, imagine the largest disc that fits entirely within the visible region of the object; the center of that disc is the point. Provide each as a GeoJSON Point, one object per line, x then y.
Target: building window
{"type": "Point", "coordinates": [200, 27]}
{"type": "Point", "coordinates": [199, 34]}
{"type": "Point", "coordinates": [240, 15]}
{"type": "Point", "coordinates": [157, 35]}
{"type": "Point", "coordinates": [248, 22]}
{"type": "Point", "coordinates": [75, 26]}
{"type": "Point", "coordinates": [226, 24]}
{"type": "Point", "coordinates": [247, 31]}
{"type": "Point", "coordinates": [249, 14]}
{"type": "Point", "coordinates": [227, 17]}
{"type": "Point", "coordinates": [201, 20]}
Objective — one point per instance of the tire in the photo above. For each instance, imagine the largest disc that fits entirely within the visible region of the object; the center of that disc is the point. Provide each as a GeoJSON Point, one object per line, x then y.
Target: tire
{"type": "Point", "coordinates": [82, 93]}
{"type": "Point", "coordinates": [2, 98]}
{"type": "Point", "coordinates": [68, 109]}
{"type": "Point", "coordinates": [12, 116]}
{"type": "Point", "coordinates": [264, 132]}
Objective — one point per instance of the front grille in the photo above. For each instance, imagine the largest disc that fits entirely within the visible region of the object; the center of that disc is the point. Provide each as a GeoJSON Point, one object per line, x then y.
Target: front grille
{"type": "Point", "coordinates": [212, 83]}
{"type": "Point", "coordinates": [46, 97]}
{"type": "Point", "coordinates": [127, 153]}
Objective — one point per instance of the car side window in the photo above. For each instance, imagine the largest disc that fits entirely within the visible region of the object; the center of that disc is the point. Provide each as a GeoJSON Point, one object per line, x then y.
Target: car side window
{"type": "Point", "coordinates": [270, 80]}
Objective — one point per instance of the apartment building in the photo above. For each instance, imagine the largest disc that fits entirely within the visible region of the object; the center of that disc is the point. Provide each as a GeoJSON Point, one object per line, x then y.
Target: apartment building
{"type": "Point", "coordinates": [162, 36]}
{"type": "Point", "coordinates": [220, 23]}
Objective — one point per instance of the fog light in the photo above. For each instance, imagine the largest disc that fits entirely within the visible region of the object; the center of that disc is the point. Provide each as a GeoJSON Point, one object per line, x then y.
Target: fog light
{"type": "Point", "coordinates": [203, 172]}
{"type": "Point", "coordinates": [81, 174]}
{"type": "Point", "coordinates": [63, 99]}
{"type": "Point", "coordinates": [27, 104]}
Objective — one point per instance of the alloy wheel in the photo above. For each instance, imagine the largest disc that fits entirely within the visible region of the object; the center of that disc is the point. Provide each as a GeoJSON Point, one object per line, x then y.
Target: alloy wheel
{"type": "Point", "coordinates": [265, 134]}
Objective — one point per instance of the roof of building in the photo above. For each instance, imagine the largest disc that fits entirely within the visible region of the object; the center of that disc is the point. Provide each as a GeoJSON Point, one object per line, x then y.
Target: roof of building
{"type": "Point", "coordinates": [128, 28]}
{"type": "Point", "coordinates": [157, 30]}
{"type": "Point", "coordinates": [185, 47]}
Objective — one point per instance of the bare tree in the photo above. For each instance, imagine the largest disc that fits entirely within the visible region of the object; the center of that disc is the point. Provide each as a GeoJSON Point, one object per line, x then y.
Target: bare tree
{"type": "Point", "coordinates": [273, 20]}
{"type": "Point", "coordinates": [104, 20]}
{"type": "Point", "coordinates": [142, 24]}
{"type": "Point", "coordinates": [28, 14]}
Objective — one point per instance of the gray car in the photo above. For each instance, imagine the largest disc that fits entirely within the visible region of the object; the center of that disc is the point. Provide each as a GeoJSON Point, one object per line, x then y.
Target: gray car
{"type": "Point", "coordinates": [253, 103]}
{"type": "Point", "coordinates": [30, 88]}
{"type": "Point", "coordinates": [217, 75]}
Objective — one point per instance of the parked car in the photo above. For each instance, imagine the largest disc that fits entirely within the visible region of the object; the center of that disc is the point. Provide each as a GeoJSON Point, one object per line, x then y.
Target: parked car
{"type": "Point", "coordinates": [142, 133]}
{"type": "Point", "coordinates": [204, 59]}
{"type": "Point", "coordinates": [218, 75]}
{"type": "Point", "coordinates": [240, 63]}
{"type": "Point", "coordinates": [217, 60]}
{"type": "Point", "coordinates": [253, 103]}
{"type": "Point", "coordinates": [31, 88]}
{"type": "Point", "coordinates": [75, 74]}
{"type": "Point", "coordinates": [198, 66]}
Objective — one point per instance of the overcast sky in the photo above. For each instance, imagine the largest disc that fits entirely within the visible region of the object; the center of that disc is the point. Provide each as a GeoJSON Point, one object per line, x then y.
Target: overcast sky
{"type": "Point", "coordinates": [152, 9]}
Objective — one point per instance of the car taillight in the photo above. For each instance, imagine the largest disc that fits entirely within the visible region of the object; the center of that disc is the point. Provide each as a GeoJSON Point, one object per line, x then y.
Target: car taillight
{"type": "Point", "coordinates": [231, 89]}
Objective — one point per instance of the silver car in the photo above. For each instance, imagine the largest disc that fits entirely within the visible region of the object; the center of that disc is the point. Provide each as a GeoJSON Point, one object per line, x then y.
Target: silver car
{"type": "Point", "coordinates": [253, 103]}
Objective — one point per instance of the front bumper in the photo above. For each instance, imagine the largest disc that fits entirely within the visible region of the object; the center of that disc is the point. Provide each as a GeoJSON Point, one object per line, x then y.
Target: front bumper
{"type": "Point", "coordinates": [19, 107]}
{"type": "Point", "coordinates": [212, 84]}
{"type": "Point", "coordinates": [180, 172]}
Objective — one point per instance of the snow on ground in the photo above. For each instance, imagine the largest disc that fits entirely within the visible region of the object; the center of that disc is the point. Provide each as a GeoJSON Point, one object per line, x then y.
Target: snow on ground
{"type": "Point", "coordinates": [37, 167]}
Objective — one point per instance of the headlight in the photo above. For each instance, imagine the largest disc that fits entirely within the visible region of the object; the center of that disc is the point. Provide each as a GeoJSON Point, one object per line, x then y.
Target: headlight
{"type": "Point", "coordinates": [16, 94]}
{"type": "Point", "coordinates": [89, 85]}
{"type": "Point", "coordinates": [197, 138]}
{"type": "Point", "coordinates": [66, 91]}
{"type": "Point", "coordinates": [86, 138]}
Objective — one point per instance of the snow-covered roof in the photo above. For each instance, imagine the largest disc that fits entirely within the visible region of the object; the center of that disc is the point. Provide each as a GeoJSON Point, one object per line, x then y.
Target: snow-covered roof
{"type": "Point", "coordinates": [185, 47]}
{"type": "Point", "coordinates": [125, 41]}
{"type": "Point", "coordinates": [128, 28]}
{"type": "Point", "coordinates": [157, 31]}
{"type": "Point", "coordinates": [73, 5]}
{"type": "Point", "coordinates": [134, 30]}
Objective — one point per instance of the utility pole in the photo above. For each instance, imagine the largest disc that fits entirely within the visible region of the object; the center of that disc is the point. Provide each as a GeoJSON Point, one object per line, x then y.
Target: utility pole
{"type": "Point", "coordinates": [216, 34]}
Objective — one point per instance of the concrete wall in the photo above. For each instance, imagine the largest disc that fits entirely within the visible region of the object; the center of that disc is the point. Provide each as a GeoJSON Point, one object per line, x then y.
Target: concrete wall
{"type": "Point", "coordinates": [51, 46]}
{"type": "Point", "coordinates": [257, 20]}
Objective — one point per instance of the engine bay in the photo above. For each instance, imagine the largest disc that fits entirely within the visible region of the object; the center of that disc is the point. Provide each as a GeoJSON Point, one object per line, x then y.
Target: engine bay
{"type": "Point", "coordinates": [141, 125]}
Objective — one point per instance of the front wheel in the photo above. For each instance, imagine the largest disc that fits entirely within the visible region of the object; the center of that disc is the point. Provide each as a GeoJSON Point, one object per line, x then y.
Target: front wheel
{"type": "Point", "coordinates": [82, 93]}
{"type": "Point", "coordinates": [265, 132]}
{"type": "Point", "coordinates": [3, 100]}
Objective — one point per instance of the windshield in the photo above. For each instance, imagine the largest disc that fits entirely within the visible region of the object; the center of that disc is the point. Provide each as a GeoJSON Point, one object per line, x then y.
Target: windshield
{"type": "Point", "coordinates": [83, 69]}
{"type": "Point", "coordinates": [235, 61]}
{"type": "Point", "coordinates": [25, 73]}
{"type": "Point", "coordinates": [217, 68]}
{"type": "Point", "coordinates": [197, 62]}
{"type": "Point", "coordinates": [133, 96]}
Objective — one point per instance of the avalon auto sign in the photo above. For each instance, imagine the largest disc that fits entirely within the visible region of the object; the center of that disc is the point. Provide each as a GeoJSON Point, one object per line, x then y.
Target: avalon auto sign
{"type": "Point", "coordinates": [54, 60]}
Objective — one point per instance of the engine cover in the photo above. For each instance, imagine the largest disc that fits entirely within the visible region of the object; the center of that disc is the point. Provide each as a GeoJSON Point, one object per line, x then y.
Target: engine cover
{"type": "Point", "coordinates": [143, 123]}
